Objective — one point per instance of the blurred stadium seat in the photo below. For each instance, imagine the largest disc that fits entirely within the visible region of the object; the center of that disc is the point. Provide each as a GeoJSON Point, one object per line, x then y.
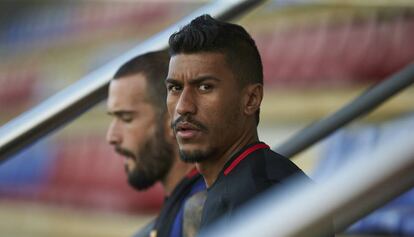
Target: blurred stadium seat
{"type": "Point", "coordinates": [83, 172]}
{"type": "Point", "coordinates": [395, 218]}
{"type": "Point", "coordinates": [27, 172]}
{"type": "Point", "coordinates": [88, 173]}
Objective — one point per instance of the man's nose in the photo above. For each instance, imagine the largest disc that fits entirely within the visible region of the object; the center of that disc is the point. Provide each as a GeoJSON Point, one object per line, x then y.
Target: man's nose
{"type": "Point", "coordinates": [113, 135]}
{"type": "Point", "coordinates": [186, 103]}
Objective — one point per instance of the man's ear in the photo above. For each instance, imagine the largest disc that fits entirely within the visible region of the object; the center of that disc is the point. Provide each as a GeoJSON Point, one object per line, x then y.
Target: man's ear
{"type": "Point", "coordinates": [252, 98]}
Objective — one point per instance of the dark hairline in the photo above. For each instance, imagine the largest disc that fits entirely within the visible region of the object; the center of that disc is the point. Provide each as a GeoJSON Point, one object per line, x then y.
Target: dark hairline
{"type": "Point", "coordinates": [152, 66]}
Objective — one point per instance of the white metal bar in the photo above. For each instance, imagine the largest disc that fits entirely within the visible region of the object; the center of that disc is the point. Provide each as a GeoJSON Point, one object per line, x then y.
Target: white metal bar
{"type": "Point", "coordinates": [360, 106]}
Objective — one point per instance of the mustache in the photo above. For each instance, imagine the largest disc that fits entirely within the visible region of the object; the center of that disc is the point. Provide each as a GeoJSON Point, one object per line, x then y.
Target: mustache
{"type": "Point", "coordinates": [188, 119]}
{"type": "Point", "coordinates": [124, 152]}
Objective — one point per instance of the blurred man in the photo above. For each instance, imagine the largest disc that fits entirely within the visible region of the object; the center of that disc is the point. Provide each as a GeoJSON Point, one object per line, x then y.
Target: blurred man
{"type": "Point", "coordinates": [215, 88]}
{"type": "Point", "coordinates": [140, 132]}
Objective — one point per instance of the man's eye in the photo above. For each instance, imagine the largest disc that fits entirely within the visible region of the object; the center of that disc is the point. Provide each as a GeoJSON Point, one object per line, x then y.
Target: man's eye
{"type": "Point", "coordinates": [205, 87]}
{"type": "Point", "coordinates": [126, 118]}
{"type": "Point", "coordinates": [174, 88]}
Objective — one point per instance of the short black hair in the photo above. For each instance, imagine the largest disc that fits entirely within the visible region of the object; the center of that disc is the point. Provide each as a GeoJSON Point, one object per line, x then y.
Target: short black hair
{"type": "Point", "coordinates": [154, 66]}
{"type": "Point", "coordinates": [206, 34]}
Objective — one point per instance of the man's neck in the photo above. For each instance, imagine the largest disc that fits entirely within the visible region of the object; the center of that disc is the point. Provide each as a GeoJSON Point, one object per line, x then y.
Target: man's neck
{"type": "Point", "coordinates": [211, 167]}
{"type": "Point", "coordinates": [177, 172]}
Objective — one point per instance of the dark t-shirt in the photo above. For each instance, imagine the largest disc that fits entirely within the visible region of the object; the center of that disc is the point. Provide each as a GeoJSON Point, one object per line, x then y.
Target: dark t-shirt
{"type": "Point", "coordinates": [250, 171]}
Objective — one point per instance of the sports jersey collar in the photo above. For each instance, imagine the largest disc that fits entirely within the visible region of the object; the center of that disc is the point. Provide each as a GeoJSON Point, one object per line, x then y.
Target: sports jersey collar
{"type": "Point", "coordinates": [192, 173]}
{"type": "Point", "coordinates": [241, 155]}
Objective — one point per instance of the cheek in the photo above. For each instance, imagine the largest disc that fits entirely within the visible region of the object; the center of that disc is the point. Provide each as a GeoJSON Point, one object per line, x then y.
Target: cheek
{"type": "Point", "coordinates": [225, 110]}
{"type": "Point", "coordinates": [135, 137]}
{"type": "Point", "coordinates": [171, 102]}
{"type": "Point", "coordinates": [227, 118]}
{"type": "Point", "coordinates": [141, 131]}
{"type": "Point", "coordinates": [213, 113]}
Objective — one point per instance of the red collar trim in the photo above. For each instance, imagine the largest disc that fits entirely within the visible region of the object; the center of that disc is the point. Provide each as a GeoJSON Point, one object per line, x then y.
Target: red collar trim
{"type": "Point", "coordinates": [243, 155]}
{"type": "Point", "coordinates": [192, 173]}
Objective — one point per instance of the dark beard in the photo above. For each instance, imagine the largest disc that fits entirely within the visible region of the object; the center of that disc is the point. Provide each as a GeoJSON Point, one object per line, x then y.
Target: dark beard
{"type": "Point", "coordinates": [195, 156]}
{"type": "Point", "coordinates": [153, 162]}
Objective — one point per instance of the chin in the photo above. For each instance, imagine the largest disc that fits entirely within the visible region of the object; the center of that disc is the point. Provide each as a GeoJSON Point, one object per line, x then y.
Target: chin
{"type": "Point", "coordinates": [191, 146]}
{"type": "Point", "coordinates": [195, 155]}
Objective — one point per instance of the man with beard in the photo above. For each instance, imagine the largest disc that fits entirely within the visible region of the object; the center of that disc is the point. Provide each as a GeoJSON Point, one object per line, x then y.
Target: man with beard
{"type": "Point", "coordinates": [140, 132]}
{"type": "Point", "coordinates": [215, 88]}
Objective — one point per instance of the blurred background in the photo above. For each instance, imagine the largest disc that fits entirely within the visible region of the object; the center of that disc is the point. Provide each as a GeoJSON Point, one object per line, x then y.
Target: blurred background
{"type": "Point", "coordinates": [317, 56]}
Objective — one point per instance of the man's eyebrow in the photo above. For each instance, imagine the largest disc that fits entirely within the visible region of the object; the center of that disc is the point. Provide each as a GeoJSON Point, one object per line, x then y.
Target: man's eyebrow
{"type": "Point", "coordinates": [172, 81]}
{"type": "Point", "coordinates": [119, 112]}
{"type": "Point", "coordinates": [196, 80]}
{"type": "Point", "coordinates": [201, 79]}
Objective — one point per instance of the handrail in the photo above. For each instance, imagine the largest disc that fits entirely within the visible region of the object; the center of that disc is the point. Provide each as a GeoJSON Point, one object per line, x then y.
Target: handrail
{"type": "Point", "coordinates": [357, 189]}
{"type": "Point", "coordinates": [363, 104]}
{"type": "Point", "coordinates": [72, 101]}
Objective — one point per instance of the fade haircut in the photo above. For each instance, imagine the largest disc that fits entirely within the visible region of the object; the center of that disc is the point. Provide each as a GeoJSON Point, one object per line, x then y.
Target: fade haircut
{"type": "Point", "coordinates": [154, 67]}
{"type": "Point", "coordinates": [205, 34]}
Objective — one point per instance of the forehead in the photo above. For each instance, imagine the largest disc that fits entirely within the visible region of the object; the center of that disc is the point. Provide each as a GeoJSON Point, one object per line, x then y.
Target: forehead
{"type": "Point", "coordinates": [198, 64]}
{"type": "Point", "coordinates": [127, 91]}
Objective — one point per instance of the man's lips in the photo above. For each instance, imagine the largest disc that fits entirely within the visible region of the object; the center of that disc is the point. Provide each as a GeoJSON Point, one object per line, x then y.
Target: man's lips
{"type": "Point", "coordinates": [129, 158]}
{"type": "Point", "coordinates": [129, 164]}
{"type": "Point", "coordinates": [125, 153]}
{"type": "Point", "coordinates": [186, 130]}
{"type": "Point", "coordinates": [185, 127]}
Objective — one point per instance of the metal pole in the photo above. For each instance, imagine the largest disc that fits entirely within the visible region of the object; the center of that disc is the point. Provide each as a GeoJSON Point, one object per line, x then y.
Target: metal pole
{"type": "Point", "coordinates": [360, 106]}
{"type": "Point", "coordinates": [354, 191]}
{"type": "Point", "coordinates": [71, 102]}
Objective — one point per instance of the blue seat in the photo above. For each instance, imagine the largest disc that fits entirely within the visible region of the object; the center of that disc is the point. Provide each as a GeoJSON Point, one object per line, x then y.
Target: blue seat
{"type": "Point", "coordinates": [396, 217]}
{"type": "Point", "coordinates": [27, 170]}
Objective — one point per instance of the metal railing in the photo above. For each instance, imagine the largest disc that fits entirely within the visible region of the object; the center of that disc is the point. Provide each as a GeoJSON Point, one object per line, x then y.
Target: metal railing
{"type": "Point", "coordinates": [71, 102]}
{"type": "Point", "coordinates": [362, 105]}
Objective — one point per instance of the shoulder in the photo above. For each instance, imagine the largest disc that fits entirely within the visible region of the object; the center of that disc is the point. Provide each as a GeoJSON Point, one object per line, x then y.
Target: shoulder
{"type": "Point", "coordinates": [278, 167]}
